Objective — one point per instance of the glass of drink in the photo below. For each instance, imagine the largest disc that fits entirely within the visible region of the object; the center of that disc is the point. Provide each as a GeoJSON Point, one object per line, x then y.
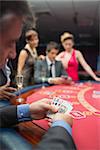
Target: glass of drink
{"type": "Point", "coordinates": [19, 82]}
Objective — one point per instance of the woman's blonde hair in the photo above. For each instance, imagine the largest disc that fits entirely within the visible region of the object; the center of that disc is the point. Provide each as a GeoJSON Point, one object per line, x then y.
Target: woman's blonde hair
{"type": "Point", "coordinates": [65, 36]}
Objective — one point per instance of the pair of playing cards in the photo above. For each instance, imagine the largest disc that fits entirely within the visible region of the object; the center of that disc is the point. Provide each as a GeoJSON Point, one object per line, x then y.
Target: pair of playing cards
{"type": "Point", "coordinates": [65, 107]}
{"type": "Point", "coordinates": [61, 105]}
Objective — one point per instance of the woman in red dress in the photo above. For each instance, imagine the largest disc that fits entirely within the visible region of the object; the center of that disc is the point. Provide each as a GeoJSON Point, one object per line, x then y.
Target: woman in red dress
{"type": "Point", "coordinates": [72, 57]}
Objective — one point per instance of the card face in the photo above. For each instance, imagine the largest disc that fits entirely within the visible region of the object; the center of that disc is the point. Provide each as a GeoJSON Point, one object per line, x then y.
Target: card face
{"type": "Point", "coordinates": [65, 107]}
{"type": "Point", "coordinates": [57, 102]}
{"type": "Point", "coordinates": [77, 115]}
{"type": "Point", "coordinates": [62, 106]}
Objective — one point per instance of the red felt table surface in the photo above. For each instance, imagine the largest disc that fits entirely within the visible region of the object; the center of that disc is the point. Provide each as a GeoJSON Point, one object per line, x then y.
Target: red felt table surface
{"type": "Point", "coordinates": [85, 97]}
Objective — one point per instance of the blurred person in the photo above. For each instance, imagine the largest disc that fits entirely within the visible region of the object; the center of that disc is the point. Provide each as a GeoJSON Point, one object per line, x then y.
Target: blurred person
{"type": "Point", "coordinates": [28, 56]}
{"type": "Point", "coordinates": [16, 11]}
{"type": "Point", "coordinates": [71, 58]}
{"type": "Point", "coordinates": [6, 86]}
{"type": "Point", "coordinates": [54, 70]}
{"type": "Point", "coordinates": [5, 73]}
{"type": "Point", "coordinates": [5, 81]}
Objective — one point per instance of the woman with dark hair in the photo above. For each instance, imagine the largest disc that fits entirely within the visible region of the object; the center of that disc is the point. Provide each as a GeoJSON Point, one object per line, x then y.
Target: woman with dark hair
{"type": "Point", "coordinates": [72, 57]}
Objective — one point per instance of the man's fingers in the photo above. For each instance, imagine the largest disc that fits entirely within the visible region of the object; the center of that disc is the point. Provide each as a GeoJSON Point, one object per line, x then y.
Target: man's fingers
{"type": "Point", "coordinates": [46, 100]}
{"type": "Point", "coordinates": [50, 107]}
{"type": "Point", "coordinates": [4, 97]}
{"type": "Point", "coordinates": [50, 124]}
{"type": "Point", "coordinates": [8, 95]}
{"type": "Point", "coordinates": [49, 119]}
{"type": "Point", "coordinates": [10, 89]}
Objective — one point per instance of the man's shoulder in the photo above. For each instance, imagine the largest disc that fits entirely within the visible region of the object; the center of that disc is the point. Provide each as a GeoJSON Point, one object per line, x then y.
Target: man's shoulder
{"type": "Point", "coordinates": [40, 62]}
{"type": "Point", "coordinates": [58, 62]}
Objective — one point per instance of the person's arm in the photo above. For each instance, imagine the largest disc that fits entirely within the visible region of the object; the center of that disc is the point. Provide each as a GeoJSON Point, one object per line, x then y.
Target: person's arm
{"type": "Point", "coordinates": [59, 136]}
{"type": "Point", "coordinates": [8, 116]}
{"type": "Point", "coordinates": [37, 71]}
{"type": "Point", "coordinates": [21, 61]}
{"type": "Point", "coordinates": [62, 57]}
{"type": "Point", "coordinates": [7, 92]}
{"type": "Point", "coordinates": [86, 67]}
{"type": "Point", "coordinates": [11, 115]}
{"type": "Point", "coordinates": [56, 138]}
{"type": "Point", "coordinates": [63, 72]}
{"type": "Point", "coordinates": [41, 57]}
{"type": "Point", "coordinates": [59, 56]}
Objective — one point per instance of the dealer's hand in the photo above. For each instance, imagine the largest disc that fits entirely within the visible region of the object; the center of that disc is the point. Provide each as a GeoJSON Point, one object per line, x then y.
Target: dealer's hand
{"type": "Point", "coordinates": [6, 92]}
{"type": "Point", "coordinates": [39, 109]}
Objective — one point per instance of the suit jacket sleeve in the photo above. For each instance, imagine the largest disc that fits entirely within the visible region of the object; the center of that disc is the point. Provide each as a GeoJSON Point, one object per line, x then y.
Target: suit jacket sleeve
{"type": "Point", "coordinates": [37, 72]}
{"type": "Point", "coordinates": [63, 72]}
{"type": "Point", "coordinates": [8, 116]}
{"type": "Point", "coordinates": [57, 138]}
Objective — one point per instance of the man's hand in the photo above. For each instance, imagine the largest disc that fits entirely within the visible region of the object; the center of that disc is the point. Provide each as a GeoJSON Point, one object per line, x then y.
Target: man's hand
{"type": "Point", "coordinates": [60, 80]}
{"type": "Point", "coordinates": [56, 80]}
{"type": "Point", "coordinates": [66, 80]}
{"type": "Point", "coordinates": [5, 92]}
{"type": "Point", "coordinates": [39, 109]}
{"type": "Point", "coordinates": [41, 57]}
{"type": "Point", "coordinates": [60, 116]}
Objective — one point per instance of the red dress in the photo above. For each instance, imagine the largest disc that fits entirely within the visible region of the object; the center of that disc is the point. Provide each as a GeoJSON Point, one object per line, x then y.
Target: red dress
{"type": "Point", "coordinates": [72, 68]}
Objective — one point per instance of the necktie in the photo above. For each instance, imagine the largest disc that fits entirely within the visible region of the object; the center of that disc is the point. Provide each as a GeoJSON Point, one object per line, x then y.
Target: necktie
{"type": "Point", "coordinates": [51, 70]}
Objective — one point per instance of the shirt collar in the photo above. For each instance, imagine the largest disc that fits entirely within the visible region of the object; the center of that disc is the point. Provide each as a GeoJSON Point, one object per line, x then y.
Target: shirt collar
{"type": "Point", "coordinates": [49, 61]}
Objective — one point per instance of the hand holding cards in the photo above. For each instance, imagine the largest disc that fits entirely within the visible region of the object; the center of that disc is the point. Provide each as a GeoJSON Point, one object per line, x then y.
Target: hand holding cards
{"type": "Point", "coordinates": [61, 105]}
{"type": "Point", "coordinates": [64, 107]}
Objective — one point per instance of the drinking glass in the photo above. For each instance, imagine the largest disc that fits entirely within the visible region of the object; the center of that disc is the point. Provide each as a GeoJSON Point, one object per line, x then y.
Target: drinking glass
{"type": "Point", "coordinates": [19, 82]}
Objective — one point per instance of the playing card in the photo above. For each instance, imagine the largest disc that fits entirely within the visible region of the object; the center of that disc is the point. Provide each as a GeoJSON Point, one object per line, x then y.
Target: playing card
{"type": "Point", "coordinates": [62, 106]}
{"type": "Point", "coordinates": [65, 107]}
{"type": "Point", "coordinates": [57, 103]}
{"type": "Point", "coordinates": [50, 114]}
{"type": "Point", "coordinates": [77, 115]}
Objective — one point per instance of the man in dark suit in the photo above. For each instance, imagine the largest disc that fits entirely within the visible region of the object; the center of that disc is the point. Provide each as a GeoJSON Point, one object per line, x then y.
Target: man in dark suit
{"type": "Point", "coordinates": [15, 11]}
{"type": "Point", "coordinates": [58, 137]}
{"type": "Point", "coordinates": [50, 70]}
{"type": "Point", "coordinates": [3, 77]}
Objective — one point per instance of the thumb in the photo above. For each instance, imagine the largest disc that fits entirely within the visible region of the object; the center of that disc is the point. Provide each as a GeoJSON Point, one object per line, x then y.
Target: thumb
{"type": "Point", "coordinates": [51, 108]}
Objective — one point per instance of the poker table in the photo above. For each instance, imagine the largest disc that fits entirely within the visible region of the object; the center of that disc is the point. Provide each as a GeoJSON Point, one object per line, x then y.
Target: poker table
{"type": "Point", "coordinates": [85, 98]}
